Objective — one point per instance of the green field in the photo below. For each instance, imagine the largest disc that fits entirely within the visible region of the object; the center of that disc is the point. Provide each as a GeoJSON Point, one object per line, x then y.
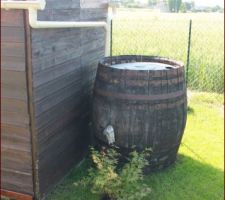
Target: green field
{"type": "Point", "coordinates": [198, 173]}
{"type": "Point", "coordinates": [166, 34]}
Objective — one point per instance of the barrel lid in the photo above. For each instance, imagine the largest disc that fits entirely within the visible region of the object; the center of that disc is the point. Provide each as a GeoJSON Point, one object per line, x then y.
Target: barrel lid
{"type": "Point", "coordinates": [143, 66]}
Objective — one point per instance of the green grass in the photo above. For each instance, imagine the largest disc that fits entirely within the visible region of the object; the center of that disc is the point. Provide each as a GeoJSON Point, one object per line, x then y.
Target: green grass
{"type": "Point", "coordinates": [198, 171]}
{"type": "Point", "coordinates": [166, 34]}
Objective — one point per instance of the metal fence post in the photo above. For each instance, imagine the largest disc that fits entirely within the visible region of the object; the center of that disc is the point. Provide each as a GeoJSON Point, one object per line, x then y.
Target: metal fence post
{"type": "Point", "coordinates": [111, 37]}
{"type": "Point", "coordinates": [188, 51]}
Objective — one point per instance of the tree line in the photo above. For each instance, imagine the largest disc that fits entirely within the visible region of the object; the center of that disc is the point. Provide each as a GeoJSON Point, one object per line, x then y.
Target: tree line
{"type": "Point", "coordinates": [172, 5]}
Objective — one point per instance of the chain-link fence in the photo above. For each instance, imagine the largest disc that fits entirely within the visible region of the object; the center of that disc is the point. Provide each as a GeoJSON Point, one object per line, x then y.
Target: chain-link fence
{"type": "Point", "coordinates": [199, 41]}
{"type": "Point", "coordinates": [170, 35]}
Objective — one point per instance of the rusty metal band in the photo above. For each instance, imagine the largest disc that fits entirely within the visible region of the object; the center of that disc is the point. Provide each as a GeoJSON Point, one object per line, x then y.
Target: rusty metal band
{"type": "Point", "coordinates": [139, 97]}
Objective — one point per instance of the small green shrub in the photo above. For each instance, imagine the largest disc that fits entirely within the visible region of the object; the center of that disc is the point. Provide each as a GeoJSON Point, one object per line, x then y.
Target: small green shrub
{"type": "Point", "coordinates": [120, 183]}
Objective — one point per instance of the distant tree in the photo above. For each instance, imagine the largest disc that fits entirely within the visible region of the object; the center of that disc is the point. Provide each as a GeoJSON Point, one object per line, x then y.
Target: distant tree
{"type": "Point", "coordinates": [127, 3]}
{"type": "Point", "coordinates": [178, 5]}
{"type": "Point", "coordinates": [171, 5]}
{"type": "Point", "coordinates": [152, 2]}
{"type": "Point", "coordinates": [216, 8]}
{"type": "Point", "coordinates": [174, 5]}
{"type": "Point", "coordinates": [189, 5]}
{"type": "Point", "coordinates": [183, 8]}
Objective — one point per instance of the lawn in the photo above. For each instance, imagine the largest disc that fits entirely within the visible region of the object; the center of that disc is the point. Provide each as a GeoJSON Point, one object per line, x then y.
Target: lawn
{"type": "Point", "coordinates": [198, 171]}
{"type": "Point", "coordinates": [166, 34]}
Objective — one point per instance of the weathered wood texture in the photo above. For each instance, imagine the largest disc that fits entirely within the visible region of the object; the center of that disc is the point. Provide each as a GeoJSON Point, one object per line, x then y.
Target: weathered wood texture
{"type": "Point", "coordinates": [147, 108]}
{"type": "Point", "coordinates": [47, 81]}
{"type": "Point", "coordinates": [15, 195]}
{"type": "Point", "coordinates": [16, 161]}
{"type": "Point", "coordinates": [94, 3]}
{"type": "Point", "coordinates": [64, 64]}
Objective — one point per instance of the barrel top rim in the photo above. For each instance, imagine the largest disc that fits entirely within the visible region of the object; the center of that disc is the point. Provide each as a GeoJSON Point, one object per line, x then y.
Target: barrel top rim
{"type": "Point", "coordinates": [153, 66]}
{"type": "Point", "coordinates": [113, 60]}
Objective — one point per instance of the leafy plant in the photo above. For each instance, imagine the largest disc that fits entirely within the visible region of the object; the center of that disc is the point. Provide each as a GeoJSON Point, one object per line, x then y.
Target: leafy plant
{"type": "Point", "coordinates": [120, 183]}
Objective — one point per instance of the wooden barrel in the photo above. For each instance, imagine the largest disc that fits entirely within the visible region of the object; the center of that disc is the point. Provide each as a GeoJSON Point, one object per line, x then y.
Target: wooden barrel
{"type": "Point", "coordinates": [145, 101]}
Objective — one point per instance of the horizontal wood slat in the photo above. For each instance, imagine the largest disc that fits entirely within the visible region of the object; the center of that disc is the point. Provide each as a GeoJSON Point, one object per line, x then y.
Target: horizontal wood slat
{"type": "Point", "coordinates": [48, 132]}
{"type": "Point", "coordinates": [11, 163]}
{"type": "Point", "coordinates": [53, 34]}
{"type": "Point", "coordinates": [17, 142]}
{"type": "Point", "coordinates": [12, 63]}
{"type": "Point", "coordinates": [18, 153]}
{"type": "Point", "coordinates": [12, 49]}
{"type": "Point", "coordinates": [51, 101]}
{"type": "Point", "coordinates": [16, 195]}
{"type": "Point", "coordinates": [12, 18]}
{"type": "Point", "coordinates": [13, 78]}
{"type": "Point", "coordinates": [12, 34]}
{"type": "Point", "coordinates": [52, 4]}
{"type": "Point", "coordinates": [58, 111]}
{"type": "Point", "coordinates": [52, 14]}
{"type": "Point", "coordinates": [17, 181]}
{"type": "Point", "coordinates": [14, 92]}
{"type": "Point", "coordinates": [93, 4]}
{"type": "Point", "coordinates": [53, 46]}
{"type": "Point", "coordinates": [93, 14]}
{"type": "Point", "coordinates": [16, 131]}
{"type": "Point", "coordinates": [56, 71]}
{"type": "Point", "coordinates": [57, 84]}
{"type": "Point", "coordinates": [13, 105]}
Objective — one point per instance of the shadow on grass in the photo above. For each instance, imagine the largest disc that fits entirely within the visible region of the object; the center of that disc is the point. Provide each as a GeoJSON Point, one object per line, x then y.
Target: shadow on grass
{"type": "Point", "coordinates": [68, 191]}
{"type": "Point", "coordinates": [186, 179]}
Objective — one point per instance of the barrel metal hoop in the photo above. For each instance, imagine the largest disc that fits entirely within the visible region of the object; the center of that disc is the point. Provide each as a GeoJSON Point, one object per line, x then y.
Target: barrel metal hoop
{"type": "Point", "coordinates": [139, 97]}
